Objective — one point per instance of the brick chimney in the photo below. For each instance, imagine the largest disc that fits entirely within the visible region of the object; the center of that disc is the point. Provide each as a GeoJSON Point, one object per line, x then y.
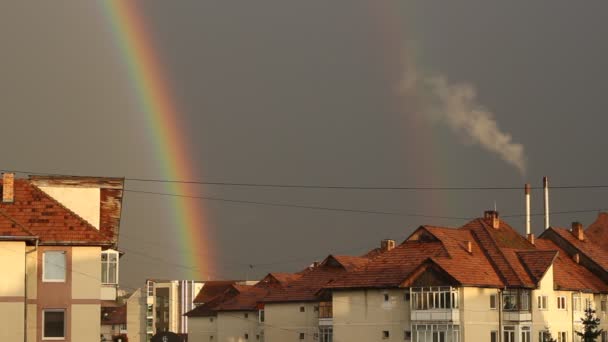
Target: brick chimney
{"type": "Point", "coordinates": [577, 231]}
{"type": "Point", "coordinates": [387, 245]}
{"type": "Point", "coordinates": [8, 187]}
{"type": "Point", "coordinates": [531, 238]}
{"type": "Point", "coordinates": [492, 216]}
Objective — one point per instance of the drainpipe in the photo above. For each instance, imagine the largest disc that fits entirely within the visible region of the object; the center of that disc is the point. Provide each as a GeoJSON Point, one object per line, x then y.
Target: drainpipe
{"type": "Point", "coordinates": [25, 292]}
{"type": "Point", "coordinates": [499, 315]}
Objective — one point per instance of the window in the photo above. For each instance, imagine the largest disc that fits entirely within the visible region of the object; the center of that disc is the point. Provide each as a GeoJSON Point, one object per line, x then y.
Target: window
{"type": "Point", "coordinates": [246, 336]}
{"type": "Point", "coordinates": [325, 310]}
{"type": "Point", "coordinates": [261, 315]}
{"type": "Point", "coordinates": [562, 336]}
{"type": "Point", "coordinates": [576, 302]}
{"type": "Point", "coordinates": [406, 297]}
{"type": "Point", "coordinates": [525, 334]}
{"type": "Point", "coordinates": [430, 298]}
{"type": "Point", "coordinates": [509, 334]}
{"type": "Point", "coordinates": [493, 298]}
{"type": "Point", "coordinates": [542, 302]}
{"type": "Point", "coordinates": [603, 305]}
{"type": "Point", "coordinates": [604, 336]}
{"type": "Point", "coordinates": [53, 322]}
{"type": "Point", "coordinates": [385, 334]}
{"type": "Point", "coordinates": [561, 303]}
{"type": "Point", "coordinates": [257, 337]}
{"type": "Point", "coordinates": [150, 289]}
{"type": "Point", "coordinates": [493, 336]}
{"type": "Point", "coordinates": [326, 334]}
{"type": "Point", "coordinates": [54, 266]}
{"type": "Point", "coordinates": [246, 315]}
{"type": "Point", "coordinates": [301, 336]}
{"type": "Point", "coordinates": [407, 335]}
{"type": "Point", "coordinates": [542, 335]}
{"type": "Point", "coordinates": [386, 297]}
{"type": "Point", "coordinates": [109, 267]}
{"type": "Point", "coordinates": [302, 309]}
{"type": "Point", "coordinates": [516, 300]}
{"type": "Point", "coordinates": [435, 333]}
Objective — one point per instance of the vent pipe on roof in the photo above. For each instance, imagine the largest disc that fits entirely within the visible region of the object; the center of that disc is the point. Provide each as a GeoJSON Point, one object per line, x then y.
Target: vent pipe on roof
{"type": "Point", "coordinates": [527, 192]}
{"type": "Point", "coordinates": [546, 191]}
{"type": "Point", "coordinates": [470, 247]}
{"type": "Point", "coordinates": [577, 258]}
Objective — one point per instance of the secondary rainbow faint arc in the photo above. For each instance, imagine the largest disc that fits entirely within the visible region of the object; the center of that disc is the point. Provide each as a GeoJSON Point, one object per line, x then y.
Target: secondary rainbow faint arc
{"type": "Point", "coordinates": [162, 118]}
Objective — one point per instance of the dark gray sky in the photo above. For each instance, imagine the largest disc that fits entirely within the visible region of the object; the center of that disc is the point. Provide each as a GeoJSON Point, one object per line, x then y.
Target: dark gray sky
{"type": "Point", "coordinates": [306, 92]}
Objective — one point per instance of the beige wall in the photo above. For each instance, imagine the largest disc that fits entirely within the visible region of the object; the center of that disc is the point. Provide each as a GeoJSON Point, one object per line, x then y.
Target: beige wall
{"type": "Point", "coordinates": [12, 259]}
{"type": "Point", "coordinates": [233, 325]}
{"type": "Point", "coordinates": [136, 316]}
{"type": "Point", "coordinates": [86, 272]}
{"type": "Point", "coordinates": [11, 316]}
{"type": "Point", "coordinates": [32, 271]}
{"type": "Point", "coordinates": [83, 201]}
{"type": "Point", "coordinates": [31, 322]}
{"type": "Point", "coordinates": [363, 315]}
{"type": "Point", "coordinates": [477, 320]}
{"type": "Point", "coordinates": [284, 322]}
{"type": "Point", "coordinates": [201, 328]}
{"type": "Point", "coordinates": [86, 322]}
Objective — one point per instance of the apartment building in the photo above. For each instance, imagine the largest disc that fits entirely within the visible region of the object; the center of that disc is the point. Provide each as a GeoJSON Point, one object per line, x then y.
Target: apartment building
{"type": "Point", "coordinates": [113, 322]}
{"type": "Point", "coordinates": [58, 237]}
{"type": "Point", "coordinates": [482, 281]}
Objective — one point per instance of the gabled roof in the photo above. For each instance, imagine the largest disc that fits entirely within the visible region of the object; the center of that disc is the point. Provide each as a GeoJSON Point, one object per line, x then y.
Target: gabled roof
{"type": "Point", "coordinates": [212, 289]}
{"type": "Point", "coordinates": [598, 230]}
{"type": "Point", "coordinates": [587, 246]}
{"type": "Point", "coordinates": [38, 214]}
{"type": "Point", "coordinates": [247, 299]}
{"type": "Point", "coordinates": [567, 274]}
{"type": "Point", "coordinates": [537, 262]}
{"type": "Point", "coordinates": [277, 279]}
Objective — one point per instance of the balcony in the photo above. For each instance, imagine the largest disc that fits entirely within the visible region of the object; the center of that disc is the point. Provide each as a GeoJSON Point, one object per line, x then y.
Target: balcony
{"type": "Point", "coordinates": [516, 305]}
{"type": "Point", "coordinates": [517, 316]}
{"type": "Point", "coordinates": [434, 315]}
{"type": "Point", "coordinates": [326, 314]}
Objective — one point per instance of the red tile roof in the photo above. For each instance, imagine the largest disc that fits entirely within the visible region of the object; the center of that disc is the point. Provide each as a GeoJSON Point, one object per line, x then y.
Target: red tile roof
{"type": "Point", "coordinates": [537, 262]}
{"type": "Point", "coordinates": [38, 214]}
{"type": "Point", "coordinates": [212, 289]}
{"type": "Point", "coordinates": [588, 246]}
{"type": "Point", "coordinates": [247, 299]}
{"type": "Point", "coordinates": [598, 230]}
{"type": "Point", "coordinates": [114, 315]}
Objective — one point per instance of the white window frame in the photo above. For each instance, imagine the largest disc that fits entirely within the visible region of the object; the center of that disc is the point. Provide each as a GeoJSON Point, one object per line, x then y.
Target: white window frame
{"type": "Point", "coordinates": [561, 303]}
{"type": "Point", "coordinates": [540, 303]}
{"type": "Point", "coordinates": [65, 260]}
{"type": "Point", "coordinates": [494, 297]}
{"type": "Point", "coordinates": [44, 311]}
{"type": "Point", "coordinates": [109, 252]}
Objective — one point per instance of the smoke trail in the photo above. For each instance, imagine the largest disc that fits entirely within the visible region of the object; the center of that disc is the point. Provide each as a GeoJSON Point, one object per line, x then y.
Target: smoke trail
{"type": "Point", "coordinates": [456, 105]}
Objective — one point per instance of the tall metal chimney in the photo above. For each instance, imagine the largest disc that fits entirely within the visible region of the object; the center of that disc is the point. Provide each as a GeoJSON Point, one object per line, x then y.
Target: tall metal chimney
{"type": "Point", "coordinates": [546, 191]}
{"type": "Point", "coordinates": [527, 192]}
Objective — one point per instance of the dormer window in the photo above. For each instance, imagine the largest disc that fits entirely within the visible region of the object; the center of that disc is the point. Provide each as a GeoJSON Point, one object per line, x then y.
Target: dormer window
{"type": "Point", "coordinates": [109, 267]}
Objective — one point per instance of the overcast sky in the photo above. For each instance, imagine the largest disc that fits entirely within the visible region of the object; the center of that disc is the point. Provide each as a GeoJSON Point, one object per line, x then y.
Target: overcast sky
{"type": "Point", "coordinates": [311, 92]}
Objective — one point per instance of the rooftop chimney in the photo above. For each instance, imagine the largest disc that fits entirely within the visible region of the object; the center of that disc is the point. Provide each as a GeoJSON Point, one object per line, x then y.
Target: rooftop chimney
{"type": "Point", "coordinates": [493, 216]}
{"type": "Point", "coordinates": [577, 258]}
{"type": "Point", "coordinates": [531, 238]}
{"type": "Point", "coordinates": [577, 231]}
{"type": "Point", "coordinates": [8, 187]}
{"type": "Point", "coordinates": [470, 247]}
{"type": "Point", "coordinates": [527, 193]}
{"type": "Point", "coordinates": [546, 191]}
{"type": "Point", "coordinates": [387, 245]}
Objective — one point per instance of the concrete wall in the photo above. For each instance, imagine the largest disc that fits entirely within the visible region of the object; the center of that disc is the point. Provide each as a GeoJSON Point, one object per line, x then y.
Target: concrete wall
{"type": "Point", "coordinates": [86, 322]}
{"type": "Point", "coordinates": [363, 315]}
{"type": "Point", "coordinates": [86, 272]}
{"type": "Point", "coordinates": [477, 320]}
{"type": "Point", "coordinates": [136, 316]}
{"type": "Point", "coordinates": [233, 325]}
{"type": "Point", "coordinates": [11, 316]}
{"type": "Point", "coordinates": [83, 201]}
{"type": "Point", "coordinates": [284, 322]}
{"type": "Point", "coordinates": [201, 328]}
{"type": "Point", "coordinates": [12, 290]}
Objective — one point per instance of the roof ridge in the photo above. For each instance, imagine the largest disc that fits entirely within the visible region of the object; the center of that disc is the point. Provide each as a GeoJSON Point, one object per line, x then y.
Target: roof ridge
{"type": "Point", "coordinates": [3, 213]}
{"type": "Point", "coordinates": [486, 226]}
{"type": "Point", "coordinates": [87, 224]}
{"type": "Point", "coordinates": [527, 267]}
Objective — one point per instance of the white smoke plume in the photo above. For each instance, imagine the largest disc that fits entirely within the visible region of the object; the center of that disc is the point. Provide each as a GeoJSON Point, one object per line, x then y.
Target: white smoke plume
{"type": "Point", "coordinates": [456, 105]}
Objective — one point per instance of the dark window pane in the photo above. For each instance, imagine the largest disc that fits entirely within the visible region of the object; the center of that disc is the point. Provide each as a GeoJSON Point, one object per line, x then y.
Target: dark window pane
{"type": "Point", "coordinates": [54, 324]}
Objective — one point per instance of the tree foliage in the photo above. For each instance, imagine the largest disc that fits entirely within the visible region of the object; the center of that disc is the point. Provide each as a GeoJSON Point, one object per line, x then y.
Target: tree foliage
{"type": "Point", "coordinates": [591, 323]}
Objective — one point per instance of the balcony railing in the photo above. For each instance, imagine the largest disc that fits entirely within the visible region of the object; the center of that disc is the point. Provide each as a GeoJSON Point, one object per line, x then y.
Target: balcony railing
{"type": "Point", "coordinates": [436, 303]}
{"type": "Point", "coordinates": [326, 310]}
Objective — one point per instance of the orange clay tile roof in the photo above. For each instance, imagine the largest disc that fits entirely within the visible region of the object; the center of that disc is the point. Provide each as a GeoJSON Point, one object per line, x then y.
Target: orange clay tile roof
{"type": "Point", "coordinates": [537, 262]}
{"type": "Point", "coordinates": [567, 274]}
{"type": "Point", "coordinates": [40, 215]}
{"type": "Point", "coordinates": [247, 299]}
{"type": "Point", "coordinates": [212, 289]}
{"type": "Point", "coordinates": [598, 230]}
{"type": "Point", "coordinates": [277, 279]}
{"type": "Point", "coordinates": [209, 308]}
{"type": "Point", "coordinates": [588, 247]}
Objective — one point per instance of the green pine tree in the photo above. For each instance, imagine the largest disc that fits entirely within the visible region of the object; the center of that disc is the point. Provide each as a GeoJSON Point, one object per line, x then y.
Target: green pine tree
{"type": "Point", "coordinates": [590, 322]}
{"type": "Point", "coordinates": [547, 337]}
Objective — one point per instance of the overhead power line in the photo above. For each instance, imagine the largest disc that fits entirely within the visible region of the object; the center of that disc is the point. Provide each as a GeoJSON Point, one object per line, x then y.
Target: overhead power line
{"type": "Point", "coordinates": [328, 187]}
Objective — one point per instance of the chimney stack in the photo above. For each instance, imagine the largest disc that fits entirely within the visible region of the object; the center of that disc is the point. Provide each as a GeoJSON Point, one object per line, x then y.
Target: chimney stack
{"type": "Point", "coordinates": [387, 245]}
{"type": "Point", "coordinates": [527, 193]}
{"type": "Point", "coordinates": [577, 231]}
{"type": "Point", "coordinates": [8, 187]}
{"type": "Point", "coordinates": [492, 215]}
{"type": "Point", "coordinates": [531, 238]}
{"type": "Point", "coordinates": [546, 191]}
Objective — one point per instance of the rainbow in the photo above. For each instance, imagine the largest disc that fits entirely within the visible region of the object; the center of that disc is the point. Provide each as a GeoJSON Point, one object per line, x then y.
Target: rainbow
{"type": "Point", "coordinates": [162, 119]}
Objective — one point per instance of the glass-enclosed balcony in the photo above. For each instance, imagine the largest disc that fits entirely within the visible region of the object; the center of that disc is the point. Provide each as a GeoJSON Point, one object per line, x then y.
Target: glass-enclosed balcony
{"type": "Point", "coordinates": [516, 305]}
{"type": "Point", "coordinates": [326, 313]}
{"type": "Point", "coordinates": [435, 303]}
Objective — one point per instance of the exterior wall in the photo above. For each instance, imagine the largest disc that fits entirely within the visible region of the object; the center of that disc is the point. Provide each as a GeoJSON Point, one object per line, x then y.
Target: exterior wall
{"type": "Point", "coordinates": [12, 290]}
{"type": "Point", "coordinates": [86, 273]}
{"type": "Point", "coordinates": [11, 316]}
{"type": "Point", "coordinates": [284, 322]}
{"type": "Point", "coordinates": [136, 316]}
{"type": "Point", "coordinates": [552, 318]}
{"type": "Point", "coordinates": [83, 201]}
{"type": "Point", "coordinates": [233, 325]}
{"type": "Point", "coordinates": [202, 328]}
{"type": "Point", "coordinates": [85, 325]}
{"type": "Point", "coordinates": [477, 320]}
{"type": "Point", "coordinates": [32, 312]}
{"type": "Point", "coordinates": [362, 315]}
